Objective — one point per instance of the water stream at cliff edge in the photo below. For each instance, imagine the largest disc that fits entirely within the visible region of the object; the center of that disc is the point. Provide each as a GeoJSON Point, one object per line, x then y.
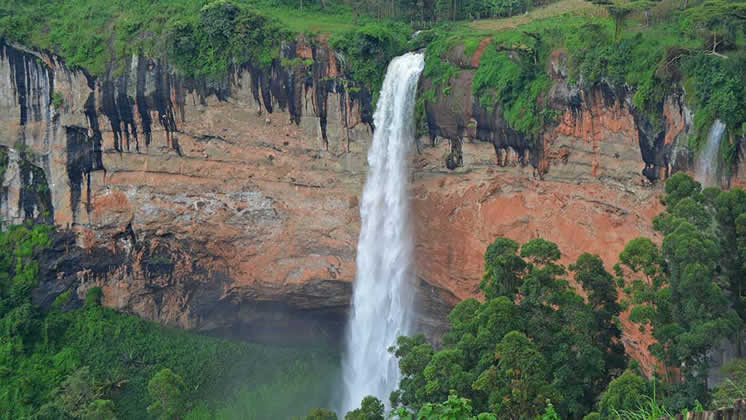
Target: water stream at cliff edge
{"type": "Point", "coordinates": [383, 296]}
{"type": "Point", "coordinates": [707, 169]}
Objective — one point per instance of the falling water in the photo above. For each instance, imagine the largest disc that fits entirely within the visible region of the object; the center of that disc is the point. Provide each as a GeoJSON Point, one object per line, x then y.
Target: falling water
{"type": "Point", "coordinates": [382, 296]}
{"type": "Point", "coordinates": [707, 161]}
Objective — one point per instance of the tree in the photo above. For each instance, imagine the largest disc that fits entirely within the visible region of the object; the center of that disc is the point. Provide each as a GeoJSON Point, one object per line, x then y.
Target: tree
{"type": "Point", "coordinates": [200, 411]}
{"type": "Point", "coordinates": [676, 289]}
{"type": "Point", "coordinates": [371, 408]}
{"type": "Point", "coordinates": [445, 372]}
{"type": "Point", "coordinates": [621, 9]}
{"type": "Point", "coordinates": [414, 353]}
{"type": "Point", "coordinates": [518, 385]}
{"type": "Point", "coordinates": [602, 294]}
{"type": "Point", "coordinates": [503, 269]}
{"type": "Point", "coordinates": [680, 186]}
{"type": "Point", "coordinates": [642, 272]}
{"type": "Point", "coordinates": [169, 392]}
{"type": "Point", "coordinates": [627, 392]}
{"type": "Point", "coordinates": [100, 410]}
{"type": "Point", "coordinates": [719, 21]}
{"type": "Point", "coordinates": [76, 392]}
{"type": "Point", "coordinates": [531, 314]}
{"type": "Point", "coordinates": [455, 408]}
{"type": "Point", "coordinates": [730, 213]}
{"type": "Point", "coordinates": [550, 413]}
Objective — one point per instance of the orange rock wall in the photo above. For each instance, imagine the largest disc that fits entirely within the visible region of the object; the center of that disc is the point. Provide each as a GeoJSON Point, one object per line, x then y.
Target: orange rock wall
{"type": "Point", "coordinates": [255, 213]}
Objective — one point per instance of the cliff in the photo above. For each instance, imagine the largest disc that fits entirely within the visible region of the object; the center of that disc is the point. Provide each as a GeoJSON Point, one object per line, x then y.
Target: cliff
{"type": "Point", "coordinates": [232, 205]}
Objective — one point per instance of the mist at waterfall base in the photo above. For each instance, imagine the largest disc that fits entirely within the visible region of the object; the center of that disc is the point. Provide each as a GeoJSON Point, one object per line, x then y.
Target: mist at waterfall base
{"type": "Point", "coordinates": [383, 294]}
{"type": "Point", "coordinates": [707, 170]}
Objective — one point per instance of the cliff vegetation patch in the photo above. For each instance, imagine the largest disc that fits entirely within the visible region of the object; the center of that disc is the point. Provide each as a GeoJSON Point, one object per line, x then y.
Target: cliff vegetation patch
{"type": "Point", "coordinates": [77, 359]}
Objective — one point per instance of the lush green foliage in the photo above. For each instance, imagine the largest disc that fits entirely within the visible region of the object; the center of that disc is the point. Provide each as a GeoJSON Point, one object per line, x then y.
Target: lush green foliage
{"type": "Point", "coordinates": [454, 408]}
{"type": "Point", "coordinates": [515, 84]}
{"type": "Point", "coordinates": [648, 59]}
{"type": "Point", "coordinates": [368, 49]}
{"type": "Point", "coordinates": [733, 386]}
{"type": "Point", "coordinates": [509, 358]}
{"type": "Point", "coordinates": [223, 34]}
{"type": "Point", "coordinates": [321, 414]}
{"type": "Point", "coordinates": [719, 92]}
{"type": "Point", "coordinates": [428, 12]}
{"type": "Point", "coordinates": [202, 37]}
{"type": "Point", "coordinates": [371, 408]}
{"type": "Point", "coordinates": [689, 289]}
{"type": "Point", "coordinates": [92, 361]}
{"type": "Point", "coordinates": [628, 392]}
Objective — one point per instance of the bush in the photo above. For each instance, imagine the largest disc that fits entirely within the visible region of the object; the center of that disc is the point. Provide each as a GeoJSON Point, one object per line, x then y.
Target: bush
{"type": "Point", "coordinates": [628, 392]}
{"type": "Point", "coordinates": [223, 35]}
{"type": "Point", "coordinates": [733, 386]}
{"type": "Point", "coordinates": [367, 51]}
{"type": "Point", "coordinates": [93, 297]}
{"type": "Point", "coordinates": [516, 85]}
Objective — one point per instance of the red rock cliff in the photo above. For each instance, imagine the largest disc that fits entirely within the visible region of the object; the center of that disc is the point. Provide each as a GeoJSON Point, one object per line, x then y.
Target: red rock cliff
{"type": "Point", "coordinates": [234, 206]}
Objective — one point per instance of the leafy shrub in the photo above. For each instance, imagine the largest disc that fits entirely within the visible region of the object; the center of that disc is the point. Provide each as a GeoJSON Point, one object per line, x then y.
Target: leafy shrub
{"type": "Point", "coordinates": [223, 35]}
{"type": "Point", "coordinates": [734, 386]}
{"type": "Point", "coordinates": [57, 100]}
{"type": "Point", "coordinates": [719, 92]}
{"type": "Point", "coordinates": [516, 85]}
{"type": "Point", "coordinates": [625, 393]}
{"type": "Point", "coordinates": [367, 51]}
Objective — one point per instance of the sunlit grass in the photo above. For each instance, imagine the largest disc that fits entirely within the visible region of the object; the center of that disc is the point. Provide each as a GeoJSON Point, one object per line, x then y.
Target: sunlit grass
{"type": "Point", "coordinates": [554, 9]}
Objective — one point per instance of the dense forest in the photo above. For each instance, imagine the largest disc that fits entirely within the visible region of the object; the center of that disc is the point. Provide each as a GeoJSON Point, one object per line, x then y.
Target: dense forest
{"type": "Point", "coordinates": [77, 359]}
{"type": "Point", "coordinates": [544, 339]}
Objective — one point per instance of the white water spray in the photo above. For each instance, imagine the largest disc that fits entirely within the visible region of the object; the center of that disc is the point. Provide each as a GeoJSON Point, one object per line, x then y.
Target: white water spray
{"type": "Point", "coordinates": [707, 162]}
{"type": "Point", "coordinates": [383, 296]}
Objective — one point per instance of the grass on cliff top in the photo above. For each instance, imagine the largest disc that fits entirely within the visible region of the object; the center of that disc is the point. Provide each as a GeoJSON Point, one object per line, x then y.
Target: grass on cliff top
{"type": "Point", "coordinates": [553, 9]}
{"type": "Point", "coordinates": [91, 33]}
{"type": "Point", "coordinates": [315, 21]}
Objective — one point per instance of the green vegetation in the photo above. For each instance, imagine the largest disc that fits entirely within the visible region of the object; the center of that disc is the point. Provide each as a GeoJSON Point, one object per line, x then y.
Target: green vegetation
{"type": "Point", "coordinates": [202, 38]}
{"type": "Point", "coordinates": [57, 99]}
{"type": "Point", "coordinates": [733, 386]}
{"type": "Point", "coordinates": [370, 409]}
{"type": "Point", "coordinates": [718, 90]}
{"type": "Point", "coordinates": [453, 408]}
{"type": "Point", "coordinates": [516, 86]}
{"type": "Point", "coordinates": [368, 49]}
{"type": "Point", "coordinates": [90, 361]}
{"type": "Point", "coordinates": [537, 346]}
{"type": "Point", "coordinates": [222, 35]}
{"type": "Point", "coordinates": [510, 358]}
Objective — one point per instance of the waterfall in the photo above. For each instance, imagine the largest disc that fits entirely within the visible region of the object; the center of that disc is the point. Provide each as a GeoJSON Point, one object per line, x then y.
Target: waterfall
{"type": "Point", "coordinates": [707, 162]}
{"type": "Point", "coordinates": [383, 296]}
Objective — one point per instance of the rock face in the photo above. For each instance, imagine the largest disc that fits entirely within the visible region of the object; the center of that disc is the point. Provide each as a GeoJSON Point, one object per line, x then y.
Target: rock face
{"type": "Point", "coordinates": [225, 206]}
{"type": "Point", "coordinates": [232, 206]}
